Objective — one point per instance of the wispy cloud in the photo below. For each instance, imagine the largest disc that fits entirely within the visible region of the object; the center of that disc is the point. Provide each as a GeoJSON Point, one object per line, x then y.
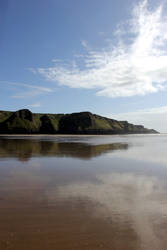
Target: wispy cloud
{"type": "Point", "coordinates": [136, 65]}
{"type": "Point", "coordinates": [152, 118]}
{"type": "Point", "coordinates": [34, 105]}
{"type": "Point", "coordinates": [32, 70]}
{"type": "Point", "coordinates": [39, 88]}
{"type": "Point", "coordinates": [25, 90]}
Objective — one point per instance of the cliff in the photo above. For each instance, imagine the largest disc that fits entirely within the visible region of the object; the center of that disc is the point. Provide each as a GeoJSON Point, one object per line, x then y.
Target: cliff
{"type": "Point", "coordinates": [25, 122]}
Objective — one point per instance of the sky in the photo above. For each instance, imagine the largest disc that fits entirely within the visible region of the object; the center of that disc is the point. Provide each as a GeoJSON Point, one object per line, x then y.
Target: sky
{"type": "Point", "coordinates": [107, 57]}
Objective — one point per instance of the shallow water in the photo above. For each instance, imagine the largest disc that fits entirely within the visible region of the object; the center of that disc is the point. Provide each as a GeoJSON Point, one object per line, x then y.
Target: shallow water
{"type": "Point", "coordinates": [83, 192]}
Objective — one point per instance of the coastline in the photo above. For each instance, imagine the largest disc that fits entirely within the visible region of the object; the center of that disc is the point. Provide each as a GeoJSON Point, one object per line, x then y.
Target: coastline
{"type": "Point", "coordinates": [75, 135]}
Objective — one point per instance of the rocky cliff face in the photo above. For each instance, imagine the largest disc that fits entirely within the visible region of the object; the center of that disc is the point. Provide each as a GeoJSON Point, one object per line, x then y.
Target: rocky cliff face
{"type": "Point", "coordinates": [46, 126]}
{"type": "Point", "coordinates": [76, 123]}
{"type": "Point", "coordinates": [25, 122]}
{"type": "Point", "coordinates": [21, 121]}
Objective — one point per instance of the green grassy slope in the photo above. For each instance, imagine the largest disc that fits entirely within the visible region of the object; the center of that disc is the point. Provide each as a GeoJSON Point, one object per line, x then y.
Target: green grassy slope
{"type": "Point", "coordinates": [24, 121]}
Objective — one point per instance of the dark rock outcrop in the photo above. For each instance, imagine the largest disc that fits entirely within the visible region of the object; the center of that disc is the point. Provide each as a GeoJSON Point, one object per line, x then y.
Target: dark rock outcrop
{"type": "Point", "coordinates": [75, 123]}
{"type": "Point", "coordinates": [24, 114]}
{"type": "Point", "coordinates": [46, 125]}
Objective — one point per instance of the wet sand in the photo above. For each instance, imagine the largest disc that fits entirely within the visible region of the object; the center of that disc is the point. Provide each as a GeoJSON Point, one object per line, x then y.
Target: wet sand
{"type": "Point", "coordinates": [91, 194]}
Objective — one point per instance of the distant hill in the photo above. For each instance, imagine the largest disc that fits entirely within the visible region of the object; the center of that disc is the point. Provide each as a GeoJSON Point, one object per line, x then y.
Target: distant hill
{"type": "Point", "coordinates": [25, 122]}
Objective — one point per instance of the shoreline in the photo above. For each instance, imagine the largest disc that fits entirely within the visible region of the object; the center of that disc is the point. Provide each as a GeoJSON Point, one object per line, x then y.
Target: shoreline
{"type": "Point", "coordinates": [73, 135]}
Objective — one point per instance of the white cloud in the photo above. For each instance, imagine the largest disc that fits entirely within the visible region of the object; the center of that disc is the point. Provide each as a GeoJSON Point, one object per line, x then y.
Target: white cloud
{"type": "Point", "coordinates": [34, 105]}
{"type": "Point", "coordinates": [136, 66]}
{"type": "Point", "coordinates": [151, 118]}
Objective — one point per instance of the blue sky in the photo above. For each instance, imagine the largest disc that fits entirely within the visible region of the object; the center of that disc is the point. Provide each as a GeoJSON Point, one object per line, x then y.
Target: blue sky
{"type": "Point", "coordinates": [107, 57]}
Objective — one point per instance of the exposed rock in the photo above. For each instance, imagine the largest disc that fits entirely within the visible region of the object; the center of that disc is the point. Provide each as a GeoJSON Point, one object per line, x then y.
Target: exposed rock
{"type": "Point", "coordinates": [46, 125]}
{"type": "Point", "coordinates": [76, 123]}
{"type": "Point", "coordinates": [24, 114]}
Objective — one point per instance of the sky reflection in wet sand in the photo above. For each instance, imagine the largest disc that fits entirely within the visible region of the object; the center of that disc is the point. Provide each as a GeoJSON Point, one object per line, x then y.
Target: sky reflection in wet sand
{"type": "Point", "coordinates": [107, 189]}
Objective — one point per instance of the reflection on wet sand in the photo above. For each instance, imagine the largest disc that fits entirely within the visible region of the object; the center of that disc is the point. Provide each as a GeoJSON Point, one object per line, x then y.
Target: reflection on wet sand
{"type": "Point", "coordinates": [137, 202]}
{"type": "Point", "coordinates": [25, 149]}
{"type": "Point", "coordinates": [69, 204]}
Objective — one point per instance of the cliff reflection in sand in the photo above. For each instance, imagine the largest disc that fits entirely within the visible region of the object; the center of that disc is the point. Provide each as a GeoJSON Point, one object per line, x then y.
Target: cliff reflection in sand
{"type": "Point", "coordinates": [25, 149]}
